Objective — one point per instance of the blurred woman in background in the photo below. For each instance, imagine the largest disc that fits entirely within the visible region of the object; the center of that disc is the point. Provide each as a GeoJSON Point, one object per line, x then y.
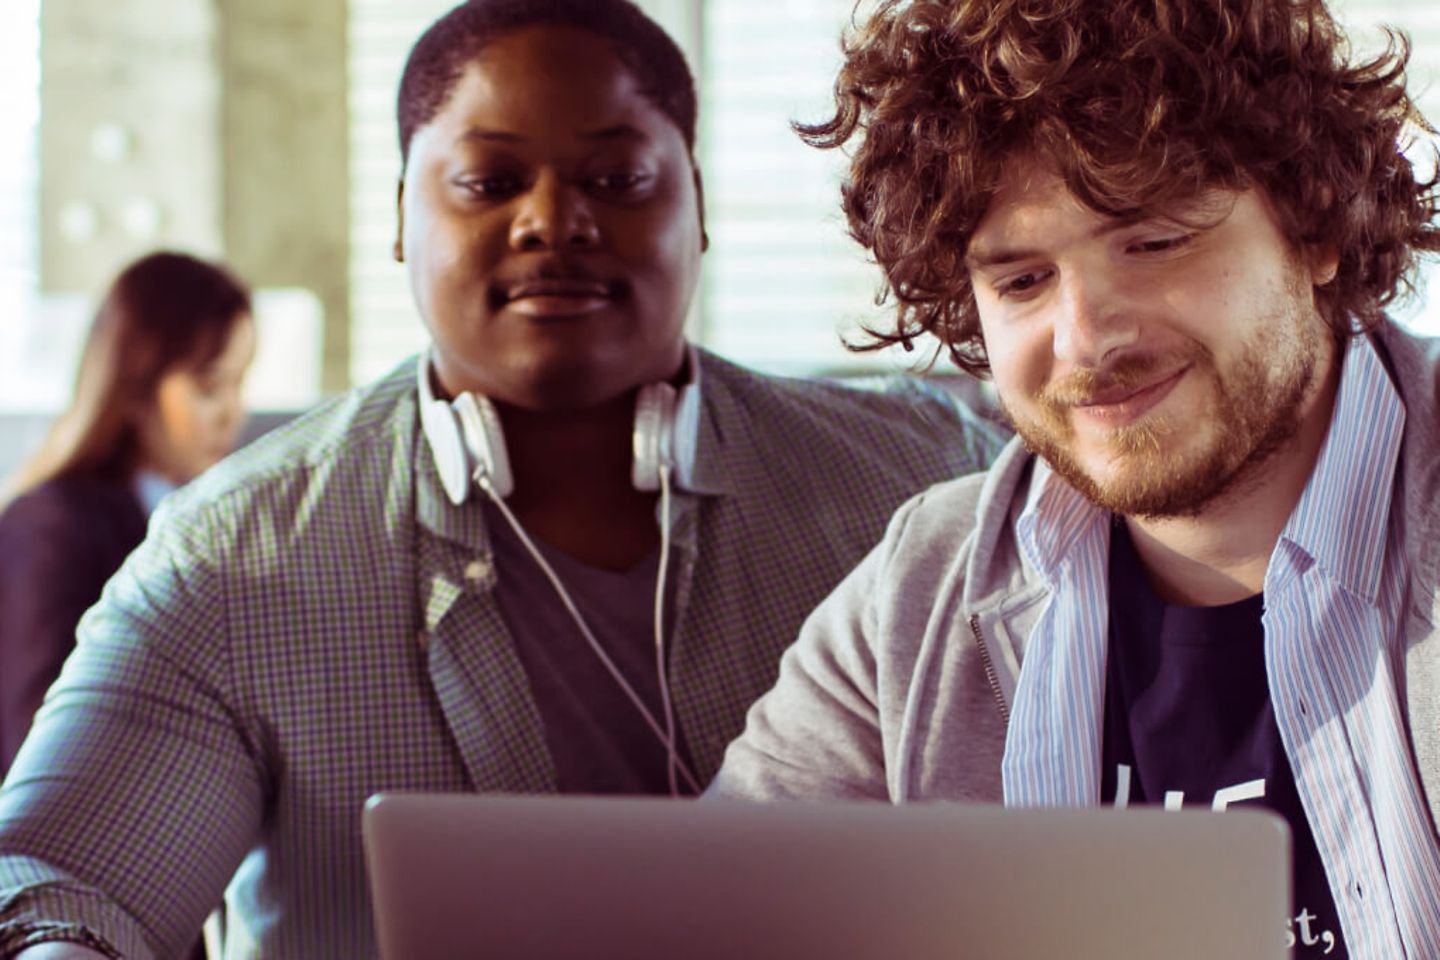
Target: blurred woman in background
{"type": "Point", "coordinates": [156, 402]}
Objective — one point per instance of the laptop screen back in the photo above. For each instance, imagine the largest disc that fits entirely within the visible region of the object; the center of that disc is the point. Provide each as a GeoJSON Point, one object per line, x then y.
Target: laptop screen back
{"type": "Point", "coordinates": [567, 877]}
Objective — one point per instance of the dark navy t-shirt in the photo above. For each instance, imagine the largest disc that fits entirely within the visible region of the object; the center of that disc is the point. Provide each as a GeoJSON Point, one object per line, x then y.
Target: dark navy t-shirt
{"type": "Point", "coordinates": [1188, 718]}
{"type": "Point", "coordinates": [598, 739]}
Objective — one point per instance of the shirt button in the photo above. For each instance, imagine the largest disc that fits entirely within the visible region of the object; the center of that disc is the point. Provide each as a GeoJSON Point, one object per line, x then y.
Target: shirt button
{"type": "Point", "coordinates": [477, 570]}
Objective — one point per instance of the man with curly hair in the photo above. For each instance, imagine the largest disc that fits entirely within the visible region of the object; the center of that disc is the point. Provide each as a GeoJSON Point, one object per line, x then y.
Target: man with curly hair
{"type": "Point", "coordinates": [1205, 572]}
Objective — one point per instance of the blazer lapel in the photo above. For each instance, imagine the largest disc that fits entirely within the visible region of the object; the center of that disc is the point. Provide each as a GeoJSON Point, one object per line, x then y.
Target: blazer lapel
{"type": "Point", "coordinates": [478, 679]}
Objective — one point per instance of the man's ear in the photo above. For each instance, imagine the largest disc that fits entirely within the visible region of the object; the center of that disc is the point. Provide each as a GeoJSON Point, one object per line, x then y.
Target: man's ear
{"type": "Point", "coordinates": [399, 250]}
{"type": "Point", "coordinates": [1324, 263]}
{"type": "Point", "coordinates": [700, 206]}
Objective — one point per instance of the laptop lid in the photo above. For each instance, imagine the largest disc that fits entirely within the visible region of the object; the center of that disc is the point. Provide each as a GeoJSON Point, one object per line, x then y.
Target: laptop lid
{"type": "Point", "coordinates": [568, 877]}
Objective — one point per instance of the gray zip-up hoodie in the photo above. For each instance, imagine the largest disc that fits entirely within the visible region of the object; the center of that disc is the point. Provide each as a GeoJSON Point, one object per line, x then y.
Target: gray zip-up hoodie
{"type": "Point", "coordinates": [899, 686]}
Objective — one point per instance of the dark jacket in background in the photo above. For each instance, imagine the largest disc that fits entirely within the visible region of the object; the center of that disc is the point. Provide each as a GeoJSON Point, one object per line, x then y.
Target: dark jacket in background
{"type": "Point", "coordinates": [59, 543]}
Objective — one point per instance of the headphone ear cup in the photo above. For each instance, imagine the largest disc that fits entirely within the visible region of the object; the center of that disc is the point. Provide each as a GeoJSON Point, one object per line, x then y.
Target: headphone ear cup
{"type": "Point", "coordinates": [452, 463]}
{"type": "Point", "coordinates": [480, 424]}
{"type": "Point", "coordinates": [442, 434]}
{"type": "Point", "coordinates": [653, 440]}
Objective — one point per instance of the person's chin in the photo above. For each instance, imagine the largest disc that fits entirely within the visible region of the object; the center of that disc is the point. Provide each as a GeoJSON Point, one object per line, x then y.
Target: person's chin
{"type": "Point", "coordinates": [1120, 467]}
{"type": "Point", "coordinates": [561, 387]}
{"type": "Point", "coordinates": [1164, 482]}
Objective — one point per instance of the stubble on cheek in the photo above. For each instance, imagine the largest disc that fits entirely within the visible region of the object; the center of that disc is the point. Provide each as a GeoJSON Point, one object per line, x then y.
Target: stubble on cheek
{"type": "Point", "coordinates": [1177, 463]}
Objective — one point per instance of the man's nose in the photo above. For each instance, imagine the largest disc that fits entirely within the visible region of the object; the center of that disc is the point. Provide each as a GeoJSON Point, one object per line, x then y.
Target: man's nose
{"type": "Point", "coordinates": [552, 215]}
{"type": "Point", "coordinates": [1094, 319]}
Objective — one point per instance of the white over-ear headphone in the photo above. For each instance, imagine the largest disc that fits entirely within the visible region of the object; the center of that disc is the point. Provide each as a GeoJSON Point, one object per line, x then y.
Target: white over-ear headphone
{"type": "Point", "coordinates": [469, 450]}
{"type": "Point", "coordinates": [465, 436]}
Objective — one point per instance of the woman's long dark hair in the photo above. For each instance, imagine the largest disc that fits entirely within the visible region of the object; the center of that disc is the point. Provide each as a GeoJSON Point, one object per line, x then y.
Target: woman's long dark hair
{"type": "Point", "coordinates": [165, 310]}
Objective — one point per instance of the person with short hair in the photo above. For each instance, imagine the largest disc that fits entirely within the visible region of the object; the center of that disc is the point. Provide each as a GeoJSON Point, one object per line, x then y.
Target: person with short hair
{"type": "Point", "coordinates": [1205, 573]}
{"type": "Point", "coordinates": [562, 551]}
{"type": "Point", "coordinates": [157, 401]}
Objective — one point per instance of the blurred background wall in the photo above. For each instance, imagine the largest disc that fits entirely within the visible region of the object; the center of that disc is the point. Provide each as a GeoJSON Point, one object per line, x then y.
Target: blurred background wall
{"type": "Point", "coordinates": [262, 132]}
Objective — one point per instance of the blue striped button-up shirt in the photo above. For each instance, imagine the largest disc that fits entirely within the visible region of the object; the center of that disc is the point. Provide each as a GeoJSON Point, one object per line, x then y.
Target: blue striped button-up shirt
{"type": "Point", "coordinates": [1334, 597]}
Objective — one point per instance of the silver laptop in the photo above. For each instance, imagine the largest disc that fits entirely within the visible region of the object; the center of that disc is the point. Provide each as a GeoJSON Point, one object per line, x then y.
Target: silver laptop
{"type": "Point", "coordinates": [509, 877]}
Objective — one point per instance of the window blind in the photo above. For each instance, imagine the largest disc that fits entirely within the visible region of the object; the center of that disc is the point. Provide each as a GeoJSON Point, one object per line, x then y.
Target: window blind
{"type": "Point", "coordinates": [783, 281]}
{"type": "Point", "coordinates": [385, 326]}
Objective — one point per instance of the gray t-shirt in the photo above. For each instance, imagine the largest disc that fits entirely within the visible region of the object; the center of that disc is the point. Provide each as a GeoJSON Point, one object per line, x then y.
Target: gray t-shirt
{"type": "Point", "coordinates": [598, 739]}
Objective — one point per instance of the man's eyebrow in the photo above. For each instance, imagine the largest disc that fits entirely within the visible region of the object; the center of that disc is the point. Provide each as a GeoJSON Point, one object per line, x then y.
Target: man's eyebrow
{"type": "Point", "coordinates": [982, 257]}
{"type": "Point", "coordinates": [498, 136]}
{"type": "Point", "coordinates": [620, 131]}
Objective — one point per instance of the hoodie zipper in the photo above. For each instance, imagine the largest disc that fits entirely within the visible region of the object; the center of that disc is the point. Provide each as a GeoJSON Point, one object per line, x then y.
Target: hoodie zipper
{"type": "Point", "coordinates": [990, 673]}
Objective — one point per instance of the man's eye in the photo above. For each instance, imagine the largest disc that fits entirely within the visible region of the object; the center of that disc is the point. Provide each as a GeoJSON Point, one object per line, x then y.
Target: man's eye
{"type": "Point", "coordinates": [492, 188]}
{"type": "Point", "coordinates": [1021, 285]}
{"type": "Point", "coordinates": [1161, 244]}
{"type": "Point", "coordinates": [623, 182]}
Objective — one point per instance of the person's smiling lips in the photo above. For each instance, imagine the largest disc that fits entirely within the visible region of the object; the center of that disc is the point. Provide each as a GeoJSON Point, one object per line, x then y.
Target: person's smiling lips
{"type": "Point", "coordinates": [1121, 405]}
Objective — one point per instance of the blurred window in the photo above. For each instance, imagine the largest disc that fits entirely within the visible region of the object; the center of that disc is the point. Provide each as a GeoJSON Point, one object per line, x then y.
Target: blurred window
{"type": "Point", "coordinates": [384, 325]}
{"type": "Point", "coordinates": [19, 190]}
{"type": "Point", "coordinates": [1421, 20]}
{"type": "Point", "coordinates": [781, 278]}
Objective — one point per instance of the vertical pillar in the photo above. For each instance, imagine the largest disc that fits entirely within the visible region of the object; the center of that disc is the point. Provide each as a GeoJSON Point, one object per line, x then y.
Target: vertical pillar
{"type": "Point", "coordinates": [214, 126]}
{"type": "Point", "coordinates": [129, 152]}
{"type": "Point", "coordinates": [284, 134]}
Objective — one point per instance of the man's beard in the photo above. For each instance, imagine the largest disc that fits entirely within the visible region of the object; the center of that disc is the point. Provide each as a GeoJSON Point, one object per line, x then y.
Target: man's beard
{"type": "Point", "coordinates": [1255, 409]}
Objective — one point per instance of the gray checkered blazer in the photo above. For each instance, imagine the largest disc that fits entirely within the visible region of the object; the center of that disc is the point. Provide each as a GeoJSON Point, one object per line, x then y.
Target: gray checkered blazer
{"type": "Point", "coordinates": [299, 632]}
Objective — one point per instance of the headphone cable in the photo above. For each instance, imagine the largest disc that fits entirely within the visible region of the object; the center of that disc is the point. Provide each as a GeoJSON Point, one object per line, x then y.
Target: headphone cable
{"type": "Point", "coordinates": [662, 668]}
{"type": "Point", "coordinates": [666, 735]}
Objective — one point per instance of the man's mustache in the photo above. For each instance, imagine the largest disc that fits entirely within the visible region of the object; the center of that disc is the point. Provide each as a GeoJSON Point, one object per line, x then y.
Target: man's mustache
{"type": "Point", "coordinates": [1123, 375]}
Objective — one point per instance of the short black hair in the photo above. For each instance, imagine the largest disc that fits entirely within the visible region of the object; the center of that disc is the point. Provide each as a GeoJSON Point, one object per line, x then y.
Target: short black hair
{"type": "Point", "coordinates": [441, 54]}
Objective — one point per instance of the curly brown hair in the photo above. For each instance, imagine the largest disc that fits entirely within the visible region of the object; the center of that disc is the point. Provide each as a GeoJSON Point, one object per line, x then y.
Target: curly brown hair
{"type": "Point", "coordinates": [1137, 105]}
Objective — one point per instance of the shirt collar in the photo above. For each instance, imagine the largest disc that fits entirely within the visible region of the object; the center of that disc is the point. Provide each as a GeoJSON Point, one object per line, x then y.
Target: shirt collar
{"type": "Point", "coordinates": [1342, 519]}
{"type": "Point", "coordinates": [1054, 518]}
